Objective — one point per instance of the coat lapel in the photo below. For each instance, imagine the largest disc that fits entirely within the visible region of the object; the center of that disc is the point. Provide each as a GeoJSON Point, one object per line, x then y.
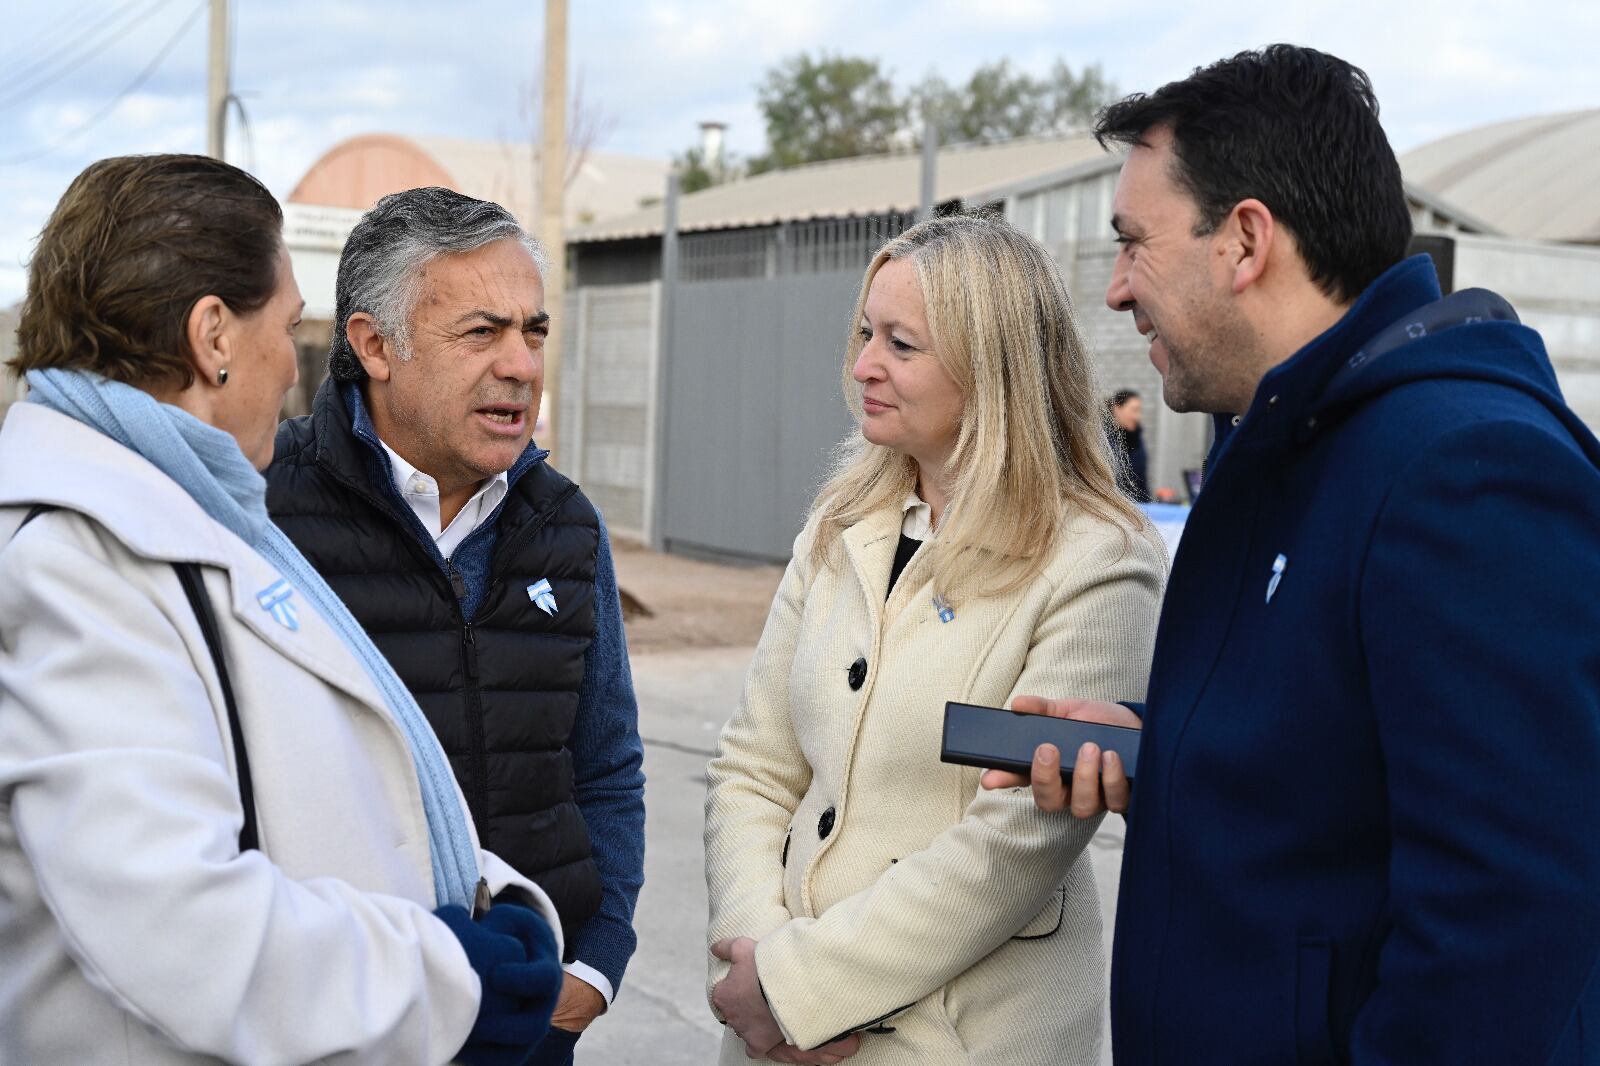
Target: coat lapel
{"type": "Point", "coordinates": [52, 458]}
{"type": "Point", "coordinates": [280, 614]}
{"type": "Point", "coordinates": [870, 545]}
{"type": "Point", "coordinates": [1198, 612]}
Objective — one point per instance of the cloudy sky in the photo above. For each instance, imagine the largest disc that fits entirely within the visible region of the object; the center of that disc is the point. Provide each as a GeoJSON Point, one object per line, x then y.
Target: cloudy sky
{"type": "Point", "coordinates": [82, 79]}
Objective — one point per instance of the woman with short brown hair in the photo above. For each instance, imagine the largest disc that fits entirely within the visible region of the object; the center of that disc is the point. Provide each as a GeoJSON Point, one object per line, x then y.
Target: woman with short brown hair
{"type": "Point", "coordinates": [226, 833]}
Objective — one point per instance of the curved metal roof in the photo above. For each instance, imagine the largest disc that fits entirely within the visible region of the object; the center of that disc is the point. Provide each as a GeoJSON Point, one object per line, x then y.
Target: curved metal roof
{"type": "Point", "coordinates": [357, 172]}
{"type": "Point", "coordinates": [1536, 177]}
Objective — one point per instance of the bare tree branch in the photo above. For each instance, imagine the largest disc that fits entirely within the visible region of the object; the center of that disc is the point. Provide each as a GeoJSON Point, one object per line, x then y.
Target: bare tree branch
{"type": "Point", "coordinates": [588, 122]}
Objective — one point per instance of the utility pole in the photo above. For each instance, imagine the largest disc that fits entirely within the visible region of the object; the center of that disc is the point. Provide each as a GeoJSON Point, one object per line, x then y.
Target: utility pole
{"type": "Point", "coordinates": [217, 82]}
{"type": "Point", "coordinates": [656, 494]}
{"type": "Point", "coordinates": [552, 207]}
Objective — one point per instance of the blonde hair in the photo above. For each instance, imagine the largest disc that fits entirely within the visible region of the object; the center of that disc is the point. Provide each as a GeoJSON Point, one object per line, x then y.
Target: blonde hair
{"type": "Point", "coordinates": [1032, 440]}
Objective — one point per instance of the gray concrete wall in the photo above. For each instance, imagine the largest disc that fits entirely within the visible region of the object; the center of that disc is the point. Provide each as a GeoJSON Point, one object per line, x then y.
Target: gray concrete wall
{"type": "Point", "coordinates": [1556, 290]}
{"type": "Point", "coordinates": [609, 366]}
{"type": "Point", "coordinates": [1073, 221]}
{"type": "Point", "coordinates": [1175, 442]}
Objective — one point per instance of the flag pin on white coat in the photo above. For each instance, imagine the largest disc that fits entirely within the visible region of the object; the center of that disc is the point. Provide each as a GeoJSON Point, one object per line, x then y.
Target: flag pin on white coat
{"type": "Point", "coordinates": [274, 599]}
{"type": "Point", "coordinates": [946, 612]}
{"type": "Point", "coordinates": [1279, 565]}
{"type": "Point", "coordinates": [542, 596]}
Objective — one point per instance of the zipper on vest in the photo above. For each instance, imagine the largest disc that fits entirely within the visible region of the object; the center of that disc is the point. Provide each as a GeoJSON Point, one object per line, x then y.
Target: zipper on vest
{"type": "Point", "coordinates": [469, 651]}
{"type": "Point", "coordinates": [477, 739]}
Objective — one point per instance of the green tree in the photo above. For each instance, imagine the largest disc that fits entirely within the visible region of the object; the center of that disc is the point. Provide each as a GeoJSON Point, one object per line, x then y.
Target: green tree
{"type": "Point", "coordinates": [998, 103]}
{"type": "Point", "coordinates": [695, 173]}
{"type": "Point", "coordinates": [995, 104]}
{"type": "Point", "coordinates": [827, 107]}
{"type": "Point", "coordinates": [1071, 100]}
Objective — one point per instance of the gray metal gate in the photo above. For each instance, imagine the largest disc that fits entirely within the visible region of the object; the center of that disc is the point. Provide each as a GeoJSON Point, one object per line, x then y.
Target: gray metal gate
{"type": "Point", "coordinates": [756, 329]}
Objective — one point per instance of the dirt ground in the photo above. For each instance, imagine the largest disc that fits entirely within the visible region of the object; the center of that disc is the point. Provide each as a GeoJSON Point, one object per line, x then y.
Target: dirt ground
{"type": "Point", "coordinates": [691, 604]}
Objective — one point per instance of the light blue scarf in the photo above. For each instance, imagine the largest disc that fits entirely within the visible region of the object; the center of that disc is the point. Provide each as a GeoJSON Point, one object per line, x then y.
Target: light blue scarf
{"type": "Point", "coordinates": [208, 464]}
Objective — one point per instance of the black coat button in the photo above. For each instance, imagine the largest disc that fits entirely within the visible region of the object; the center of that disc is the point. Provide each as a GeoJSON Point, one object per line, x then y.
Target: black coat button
{"type": "Point", "coordinates": [858, 673]}
{"type": "Point", "coordinates": [825, 824]}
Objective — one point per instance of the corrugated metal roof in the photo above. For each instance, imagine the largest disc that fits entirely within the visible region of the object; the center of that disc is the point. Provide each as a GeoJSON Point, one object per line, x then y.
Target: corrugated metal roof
{"type": "Point", "coordinates": [865, 185]}
{"type": "Point", "coordinates": [1536, 177]}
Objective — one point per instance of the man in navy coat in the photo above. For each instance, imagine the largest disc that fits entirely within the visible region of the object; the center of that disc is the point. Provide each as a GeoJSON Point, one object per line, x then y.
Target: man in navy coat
{"type": "Point", "coordinates": [1366, 821]}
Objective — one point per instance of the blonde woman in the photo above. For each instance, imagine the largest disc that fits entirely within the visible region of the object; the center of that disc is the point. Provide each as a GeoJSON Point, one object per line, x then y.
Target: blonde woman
{"type": "Point", "coordinates": [868, 901]}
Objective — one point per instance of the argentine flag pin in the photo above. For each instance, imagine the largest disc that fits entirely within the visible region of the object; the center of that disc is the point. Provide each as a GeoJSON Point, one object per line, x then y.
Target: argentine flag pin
{"type": "Point", "coordinates": [275, 600]}
{"type": "Point", "coordinates": [946, 612]}
{"type": "Point", "coordinates": [1279, 565]}
{"type": "Point", "coordinates": [542, 596]}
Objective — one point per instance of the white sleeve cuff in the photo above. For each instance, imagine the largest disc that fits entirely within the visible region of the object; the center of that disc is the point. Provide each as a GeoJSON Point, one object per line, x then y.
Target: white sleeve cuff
{"type": "Point", "coordinates": [591, 976]}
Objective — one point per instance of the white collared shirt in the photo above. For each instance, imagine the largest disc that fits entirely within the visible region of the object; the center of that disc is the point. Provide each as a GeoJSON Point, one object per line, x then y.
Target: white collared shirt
{"type": "Point", "coordinates": [422, 493]}
{"type": "Point", "coordinates": [918, 521]}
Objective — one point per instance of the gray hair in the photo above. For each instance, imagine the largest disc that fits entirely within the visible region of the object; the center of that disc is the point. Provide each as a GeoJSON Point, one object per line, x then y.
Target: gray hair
{"type": "Point", "coordinates": [380, 269]}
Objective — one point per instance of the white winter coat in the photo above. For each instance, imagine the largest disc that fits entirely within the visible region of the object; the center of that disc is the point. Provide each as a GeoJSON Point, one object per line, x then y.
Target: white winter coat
{"type": "Point", "coordinates": [132, 930]}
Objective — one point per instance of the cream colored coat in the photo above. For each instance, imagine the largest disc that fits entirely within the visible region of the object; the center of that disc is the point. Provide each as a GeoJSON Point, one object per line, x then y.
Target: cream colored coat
{"type": "Point", "coordinates": [132, 930]}
{"type": "Point", "coordinates": [970, 908]}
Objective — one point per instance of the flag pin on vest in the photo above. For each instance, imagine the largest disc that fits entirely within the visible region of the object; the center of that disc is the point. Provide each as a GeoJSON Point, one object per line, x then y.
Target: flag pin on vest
{"type": "Point", "coordinates": [274, 599]}
{"type": "Point", "coordinates": [542, 596]}
{"type": "Point", "coordinates": [1279, 565]}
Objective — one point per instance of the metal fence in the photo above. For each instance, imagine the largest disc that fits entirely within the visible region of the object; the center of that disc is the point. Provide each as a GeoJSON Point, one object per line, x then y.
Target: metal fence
{"type": "Point", "coordinates": [817, 247]}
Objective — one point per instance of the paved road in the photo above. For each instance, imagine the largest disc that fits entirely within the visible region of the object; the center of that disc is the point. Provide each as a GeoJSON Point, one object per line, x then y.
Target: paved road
{"type": "Point", "coordinates": [661, 1018]}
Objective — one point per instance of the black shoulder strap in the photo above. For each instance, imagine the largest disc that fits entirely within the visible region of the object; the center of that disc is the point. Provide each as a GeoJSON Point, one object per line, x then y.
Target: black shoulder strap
{"type": "Point", "coordinates": [33, 512]}
{"type": "Point", "coordinates": [194, 588]}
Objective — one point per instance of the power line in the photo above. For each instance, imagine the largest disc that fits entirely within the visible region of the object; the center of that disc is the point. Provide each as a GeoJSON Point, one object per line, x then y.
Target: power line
{"type": "Point", "coordinates": [38, 76]}
{"type": "Point", "coordinates": [41, 35]}
{"type": "Point", "coordinates": [87, 27]}
{"type": "Point", "coordinates": [128, 90]}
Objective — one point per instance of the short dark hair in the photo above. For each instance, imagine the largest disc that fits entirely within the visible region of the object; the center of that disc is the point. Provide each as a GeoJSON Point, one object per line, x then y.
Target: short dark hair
{"type": "Point", "coordinates": [134, 244]}
{"type": "Point", "coordinates": [383, 259]}
{"type": "Point", "coordinates": [1122, 396]}
{"type": "Point", "coordinates": [1296, 129]}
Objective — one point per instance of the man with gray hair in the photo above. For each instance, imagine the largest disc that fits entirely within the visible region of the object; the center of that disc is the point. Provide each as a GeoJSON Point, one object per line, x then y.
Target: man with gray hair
{"type": "Point", "coordinates": [483, 575]}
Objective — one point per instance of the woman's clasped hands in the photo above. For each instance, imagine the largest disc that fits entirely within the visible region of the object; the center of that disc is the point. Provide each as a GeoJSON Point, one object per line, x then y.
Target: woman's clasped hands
{"type": "Point", "coordinates": [743, 1006]}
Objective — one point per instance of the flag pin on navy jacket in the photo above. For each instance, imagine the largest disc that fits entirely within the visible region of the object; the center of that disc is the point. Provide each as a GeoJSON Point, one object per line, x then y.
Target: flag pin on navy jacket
{"type": "Point", "coordinates": [1279, 565]}
{"type": "Point", "coordinates": [542, 596]}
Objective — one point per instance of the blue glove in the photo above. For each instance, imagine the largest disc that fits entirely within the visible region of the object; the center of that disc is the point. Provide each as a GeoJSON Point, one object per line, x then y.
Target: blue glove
{"type": "Point", "coordinates": [513, 951]}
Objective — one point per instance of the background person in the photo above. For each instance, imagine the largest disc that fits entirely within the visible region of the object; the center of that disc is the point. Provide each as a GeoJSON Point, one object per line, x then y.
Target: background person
{"type": "Point", "coordinates": [485, 576]}
{"type": "Point", "coordinates": [153, 908]}
{"type": "Point", "coordinates": [971, 545]}
{"type": "Point", "coordinates": [1126, 412]}
{"type": "Point", "coordinates": [1362, 829]}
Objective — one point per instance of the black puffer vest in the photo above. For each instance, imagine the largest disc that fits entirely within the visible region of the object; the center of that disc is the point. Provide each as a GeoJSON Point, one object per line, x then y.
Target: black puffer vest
{"type": "Point", "coordinates": [500, 689]}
